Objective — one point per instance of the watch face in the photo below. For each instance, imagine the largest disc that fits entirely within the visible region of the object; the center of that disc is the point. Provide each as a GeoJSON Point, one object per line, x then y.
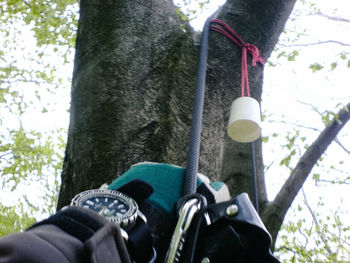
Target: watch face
{"type": "Point", "coordinates": [113, 205]}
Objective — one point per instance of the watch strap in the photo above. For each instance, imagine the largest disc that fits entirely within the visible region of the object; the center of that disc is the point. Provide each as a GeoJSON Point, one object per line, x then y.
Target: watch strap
{"type": "Point", "coordinates": [140, 242]}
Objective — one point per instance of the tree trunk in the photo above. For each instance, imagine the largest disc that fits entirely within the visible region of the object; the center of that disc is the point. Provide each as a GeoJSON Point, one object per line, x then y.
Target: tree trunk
{"type": "Point", "coordinates": [133, 89]}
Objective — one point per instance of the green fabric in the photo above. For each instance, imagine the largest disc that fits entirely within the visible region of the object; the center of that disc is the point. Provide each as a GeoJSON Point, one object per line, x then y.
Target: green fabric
{"type": "Point", "coordinates": [167, 181]}
{"type": "Point", "coordinates": [216, 185]}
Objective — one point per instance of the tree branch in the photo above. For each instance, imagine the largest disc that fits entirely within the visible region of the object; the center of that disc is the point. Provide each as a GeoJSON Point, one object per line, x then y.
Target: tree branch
{"type": "Point", "coordinates": [341, 145]}
{"type": "Point", "coordinates": [273, 214]}
{"type": "Point", "coordinates": [336, 140]}
{"type": "Point", "coordinates": [294, 183]}
{"type": "Point", "coordinates": [332, 182]}
{"type": "Point", "coordinates": [27, 4]}
{"type": "Point", "coordinates": [318, 226]}
{"type": "Point", "coordinates": [6, 153]}
{"type": "Point", "coordinates": [317, 43]}
{"type": "Point", "coordinates": [334, 18]}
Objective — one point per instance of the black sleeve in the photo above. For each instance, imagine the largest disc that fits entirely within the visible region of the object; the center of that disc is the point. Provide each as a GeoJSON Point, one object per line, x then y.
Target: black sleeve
{"type": "Point", "coordinates": [75, 235]}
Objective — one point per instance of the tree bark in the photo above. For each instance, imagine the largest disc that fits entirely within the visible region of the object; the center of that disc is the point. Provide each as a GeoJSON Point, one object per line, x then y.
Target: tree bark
{"type": "Point", "coordinates": [132, 91]}
{"type": "Point", "coordinates": [133, 88]}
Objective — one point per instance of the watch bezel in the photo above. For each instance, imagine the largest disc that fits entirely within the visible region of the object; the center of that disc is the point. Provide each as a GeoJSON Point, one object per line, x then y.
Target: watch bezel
{"type": "Point", "coordinates": [126, 219]}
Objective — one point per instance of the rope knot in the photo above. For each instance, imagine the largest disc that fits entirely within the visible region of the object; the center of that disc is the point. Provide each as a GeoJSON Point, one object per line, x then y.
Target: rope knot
{"type": "Point", "coordinates": [255, 52]}
{"type": "Point", "coordinates": [228, 32]}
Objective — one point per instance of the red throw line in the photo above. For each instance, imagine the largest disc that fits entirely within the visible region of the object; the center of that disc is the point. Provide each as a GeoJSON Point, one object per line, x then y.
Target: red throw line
{"type": "Point", "coordinates": [228, 32]}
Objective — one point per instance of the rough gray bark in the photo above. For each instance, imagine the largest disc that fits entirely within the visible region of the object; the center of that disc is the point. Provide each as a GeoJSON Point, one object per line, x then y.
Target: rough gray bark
{"type": "Point", "coordinates": [133, 84]}
{"type": "Point", "coordinates": [131, 91]}
{"type": "Point", "coordinates": [133, 88]}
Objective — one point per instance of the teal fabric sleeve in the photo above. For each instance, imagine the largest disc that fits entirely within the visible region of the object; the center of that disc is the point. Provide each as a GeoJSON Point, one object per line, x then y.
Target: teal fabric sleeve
{"type": "Point", "coordinates": [166, 179]}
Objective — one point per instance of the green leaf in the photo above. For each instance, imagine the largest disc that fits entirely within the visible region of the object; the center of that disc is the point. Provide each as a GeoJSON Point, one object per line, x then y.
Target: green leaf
{"type": "Point", "coordinates": [291, 57]}
{"type": "Point", "coordinates": [300, 208]}
{"type": "Point", "coordinates": [334, 65]}
{"type": "Point", "coordinates": [14, 219]}
{"type": "Point", "coordinates": [282, 54]}
{"type": "Point", "coordinates": [271, 64]}
{"type": "Point", "coordinates": [181, 15]}
{"type": "Point", "coordinates": [315, 67]}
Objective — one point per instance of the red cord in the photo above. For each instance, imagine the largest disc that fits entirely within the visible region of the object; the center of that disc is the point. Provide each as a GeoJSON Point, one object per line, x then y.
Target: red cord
{"type": "Point", "coordinates": [228, 32]}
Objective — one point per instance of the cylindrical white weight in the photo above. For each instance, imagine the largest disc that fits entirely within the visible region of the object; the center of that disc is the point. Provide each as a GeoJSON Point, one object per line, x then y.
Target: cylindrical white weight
{"type": "Point", "coordinates": [245, 120]}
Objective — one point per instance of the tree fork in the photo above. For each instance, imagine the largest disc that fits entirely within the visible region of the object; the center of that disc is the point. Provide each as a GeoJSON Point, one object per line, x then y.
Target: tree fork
{"type": "Point", "coordinates": [133, 88]}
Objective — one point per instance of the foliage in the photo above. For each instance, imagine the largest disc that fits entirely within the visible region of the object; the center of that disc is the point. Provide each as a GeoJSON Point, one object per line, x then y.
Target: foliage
{"type": "Point", "coordinates": [13, 221]}
{"type": "Point", "coordinates": [188, 10]}
{"type": "Point", "coordinates": [297, 119]}
{"type": "Point", "coordinates": [315, 237]}
{"type": "Point", "coordinates": [298, 38]}
{"type": "Point", "coordinates": [28, 160]}
{"type": "Point", "coordinates": [37, 40]}
{"type": "Point", "coordinates": [52, 21]}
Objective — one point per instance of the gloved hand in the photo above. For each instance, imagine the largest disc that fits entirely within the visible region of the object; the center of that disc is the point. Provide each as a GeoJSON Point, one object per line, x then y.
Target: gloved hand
{"type": "Point", "coordinates": [157, 187]}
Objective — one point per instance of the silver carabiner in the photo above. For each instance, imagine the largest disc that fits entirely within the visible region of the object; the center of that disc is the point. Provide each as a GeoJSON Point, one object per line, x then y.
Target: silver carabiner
{"type": "Point", "coordinates": [186, 215]}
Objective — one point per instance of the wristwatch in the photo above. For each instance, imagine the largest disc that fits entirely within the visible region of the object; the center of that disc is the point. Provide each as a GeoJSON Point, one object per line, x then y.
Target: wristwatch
{"type": "Point", "coordinates": [113, 205]}
{"type": "Point", "coordinates": [120, 208]}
